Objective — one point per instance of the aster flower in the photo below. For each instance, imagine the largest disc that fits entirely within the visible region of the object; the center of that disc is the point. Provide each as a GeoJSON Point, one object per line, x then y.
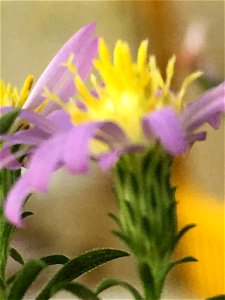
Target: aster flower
{"type": "Point", "coordinates": [129, 109]}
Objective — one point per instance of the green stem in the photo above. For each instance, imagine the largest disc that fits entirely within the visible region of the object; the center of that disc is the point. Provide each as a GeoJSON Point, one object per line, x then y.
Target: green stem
{"type": "Point", "coordinates": [147, 214]}
{"type": "Point", "coordinates": [7, 179]}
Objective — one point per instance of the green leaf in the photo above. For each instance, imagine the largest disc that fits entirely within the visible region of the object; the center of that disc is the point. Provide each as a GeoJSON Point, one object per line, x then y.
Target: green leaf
{"type": "Point", "coordinates": [219, 297]}
{"type": "Point", "coordinates": [120, 173]}
{"type": "Point", "coordinates": [2, 290]}
{"type": "Point", "coordinates": [115, 218]}
{"type": "Point", "coordinates": [26, 214]}
{"type": "Point", "coordinates": [181, 233]}
{"type": "Point", "coordinates": [81, 291]}
{"type": "Point", "coordinates": [145, 222]}
{"type": "Point", "coordinates": [185, 259]}
{"type": "Point", "coordinates": [121, 236]}
{"type": "Point", "coordinates": [11, 279]}
{"type": "Point", "coordinates": [134, 185]}
{"type": "Point", "coordinates": [7, 119]}
{"type": "Point", "coordinates": [110, 282]}
{"type": "Point", "coordinates": [16, 256]}
{"type": "Point", "coordinates": [79, 266]}
{"type": "Point", "coordinates": [23, 279]}
{"type": "Point", "coordinates": [130, 210]}
{"type": "Point", "coordinates": [56, 259]}
{"type": "Point", "coordinates": [147, 275]}
{"type": "Point", "coordinates": [2, 286]}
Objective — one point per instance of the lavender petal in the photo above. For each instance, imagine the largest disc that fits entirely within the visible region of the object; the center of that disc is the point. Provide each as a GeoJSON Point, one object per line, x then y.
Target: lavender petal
{"type": "Point", "coordinates": [166, 126]}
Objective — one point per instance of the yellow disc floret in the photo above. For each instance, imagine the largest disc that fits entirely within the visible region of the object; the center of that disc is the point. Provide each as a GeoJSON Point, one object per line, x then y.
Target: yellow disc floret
{"type": "Point", "coordinates": [124, 90]}
{"type": "Point", "coordinates": [11, 96]}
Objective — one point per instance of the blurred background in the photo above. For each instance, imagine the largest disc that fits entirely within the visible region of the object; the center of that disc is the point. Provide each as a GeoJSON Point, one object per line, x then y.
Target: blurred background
{"type": "Point", "coordinates": [73, 216]}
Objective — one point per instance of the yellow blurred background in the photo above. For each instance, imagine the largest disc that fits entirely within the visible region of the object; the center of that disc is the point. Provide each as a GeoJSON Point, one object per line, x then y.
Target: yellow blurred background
{"type": "Point", "coordinates": [73, 216]}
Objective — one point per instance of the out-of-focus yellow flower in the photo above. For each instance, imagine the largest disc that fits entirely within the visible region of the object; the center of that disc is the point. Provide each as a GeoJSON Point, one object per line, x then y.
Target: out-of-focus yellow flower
{"type": "Point", "coordinates": [11, 96]}
{"type": "Point", "coordinates": [206, 241]}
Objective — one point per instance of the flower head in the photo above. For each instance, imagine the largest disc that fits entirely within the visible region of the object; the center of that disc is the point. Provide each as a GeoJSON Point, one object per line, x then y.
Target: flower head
{"type": "Point", "coordinates": [58, 79]}
{"type": "Point", "coordinates": [129, 109]}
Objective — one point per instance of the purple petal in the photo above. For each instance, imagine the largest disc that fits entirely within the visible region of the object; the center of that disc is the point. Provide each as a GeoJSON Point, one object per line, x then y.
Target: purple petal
{"type": "Point", "coordinates": [76, 149]}
{"type": "Point", "coordinates": [5, 109]}
{"type": "Point", "coordinates": [108, 160]}
{"type": "Point", "coordinates": [205, 114]}
{"type": "Point", "coordinates": [207, 108]}
{"type": "Point", "coordinates": [206, 98]}
{"type": "Point", "coordinates": [166, 126]}
{"type": "Point", "coordinates": [8, 160]}
{"type": "Point", "coordinates": [200, 136]}
{"type": "Point", "coordinates": [215, 120]}
{"type": "Point", "coordinates": [113, 135]}
{"type": "Point", "coordinates": [39, 121]}
{"type": "Point", "coordinates": [44, 162]}
{"type": "Point", "coordinates": [31, 136]}
{"type": "Point", "coordinates": [61, 118]}
{"type": "Point", "coordinates": [14, 202]}
{"type": "Point", "coordinates": [55, 72]}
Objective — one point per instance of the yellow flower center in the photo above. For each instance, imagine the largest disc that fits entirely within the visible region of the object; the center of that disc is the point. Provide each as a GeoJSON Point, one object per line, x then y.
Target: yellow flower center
{"type": "Point", "coordinates": [11, 96]}
{"type": "Point", "coordinates": [126, 90]}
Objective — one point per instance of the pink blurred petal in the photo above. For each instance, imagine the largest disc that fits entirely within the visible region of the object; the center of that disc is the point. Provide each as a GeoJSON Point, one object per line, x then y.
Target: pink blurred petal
{"type": "Point", "coordinates": [108, 160]}
{"type": "Point", "coordinates": [215, 120]}
{"type": "Point", "coordinates": [61, 119]}
{"type": "Point", "coordinates": [44, 162]}
{"type": "Point", "coordinates": [15, 200]}
{"type": "Point", "coordinates": [8, 160]}
{"type": "Point", "coordinates": [39, 121]}
{"type": "Point", "coordinates": [200, 136]}
{"type": "Point", "coordinates": [55, 72]}
{"type": "Point", "coordinates": [206, 107]}
{"type": "Point", "coordinates": [166, 126]}
{"type": "Point", "coordinates": [205, 114]}
{"type": "Point", "coordinates": [76, 148]}
{"type": "Point", "coordinates": [32, 136]}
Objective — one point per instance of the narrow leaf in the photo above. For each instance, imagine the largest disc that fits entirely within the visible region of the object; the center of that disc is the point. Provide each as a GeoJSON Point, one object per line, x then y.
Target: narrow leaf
{"type": "Point", "coordinates": [26, 214]}
{"type": "Point", "coordinates": [121, 236]}
{"type": "Point", "coordinates": [185, 259]}
{"type": "Point", "coordinates": [181, 233]}
{"type": "Point", "coordinates": [77, 289]}
{"type": "Point", "coordinates": [219, 297]}
{"type": "Point", "coordinates": [16, 256]}
{"type": "Point", "coordinates": [79, 266]}
{"type": "Point", "coordinates": [130, 210]}
{"type": "Point", "coordinates": [115, 218]}
{"type": "Point", "coordinates": [55, 259]}
{"type": "Point", "coordinates": [11, 279]}
{"type": "Point", "coordinates": [23, 278]}
{"type": "Point", "coordinates": [7, 119]}
{"type": "Point", "coordinates": [111, 282]}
